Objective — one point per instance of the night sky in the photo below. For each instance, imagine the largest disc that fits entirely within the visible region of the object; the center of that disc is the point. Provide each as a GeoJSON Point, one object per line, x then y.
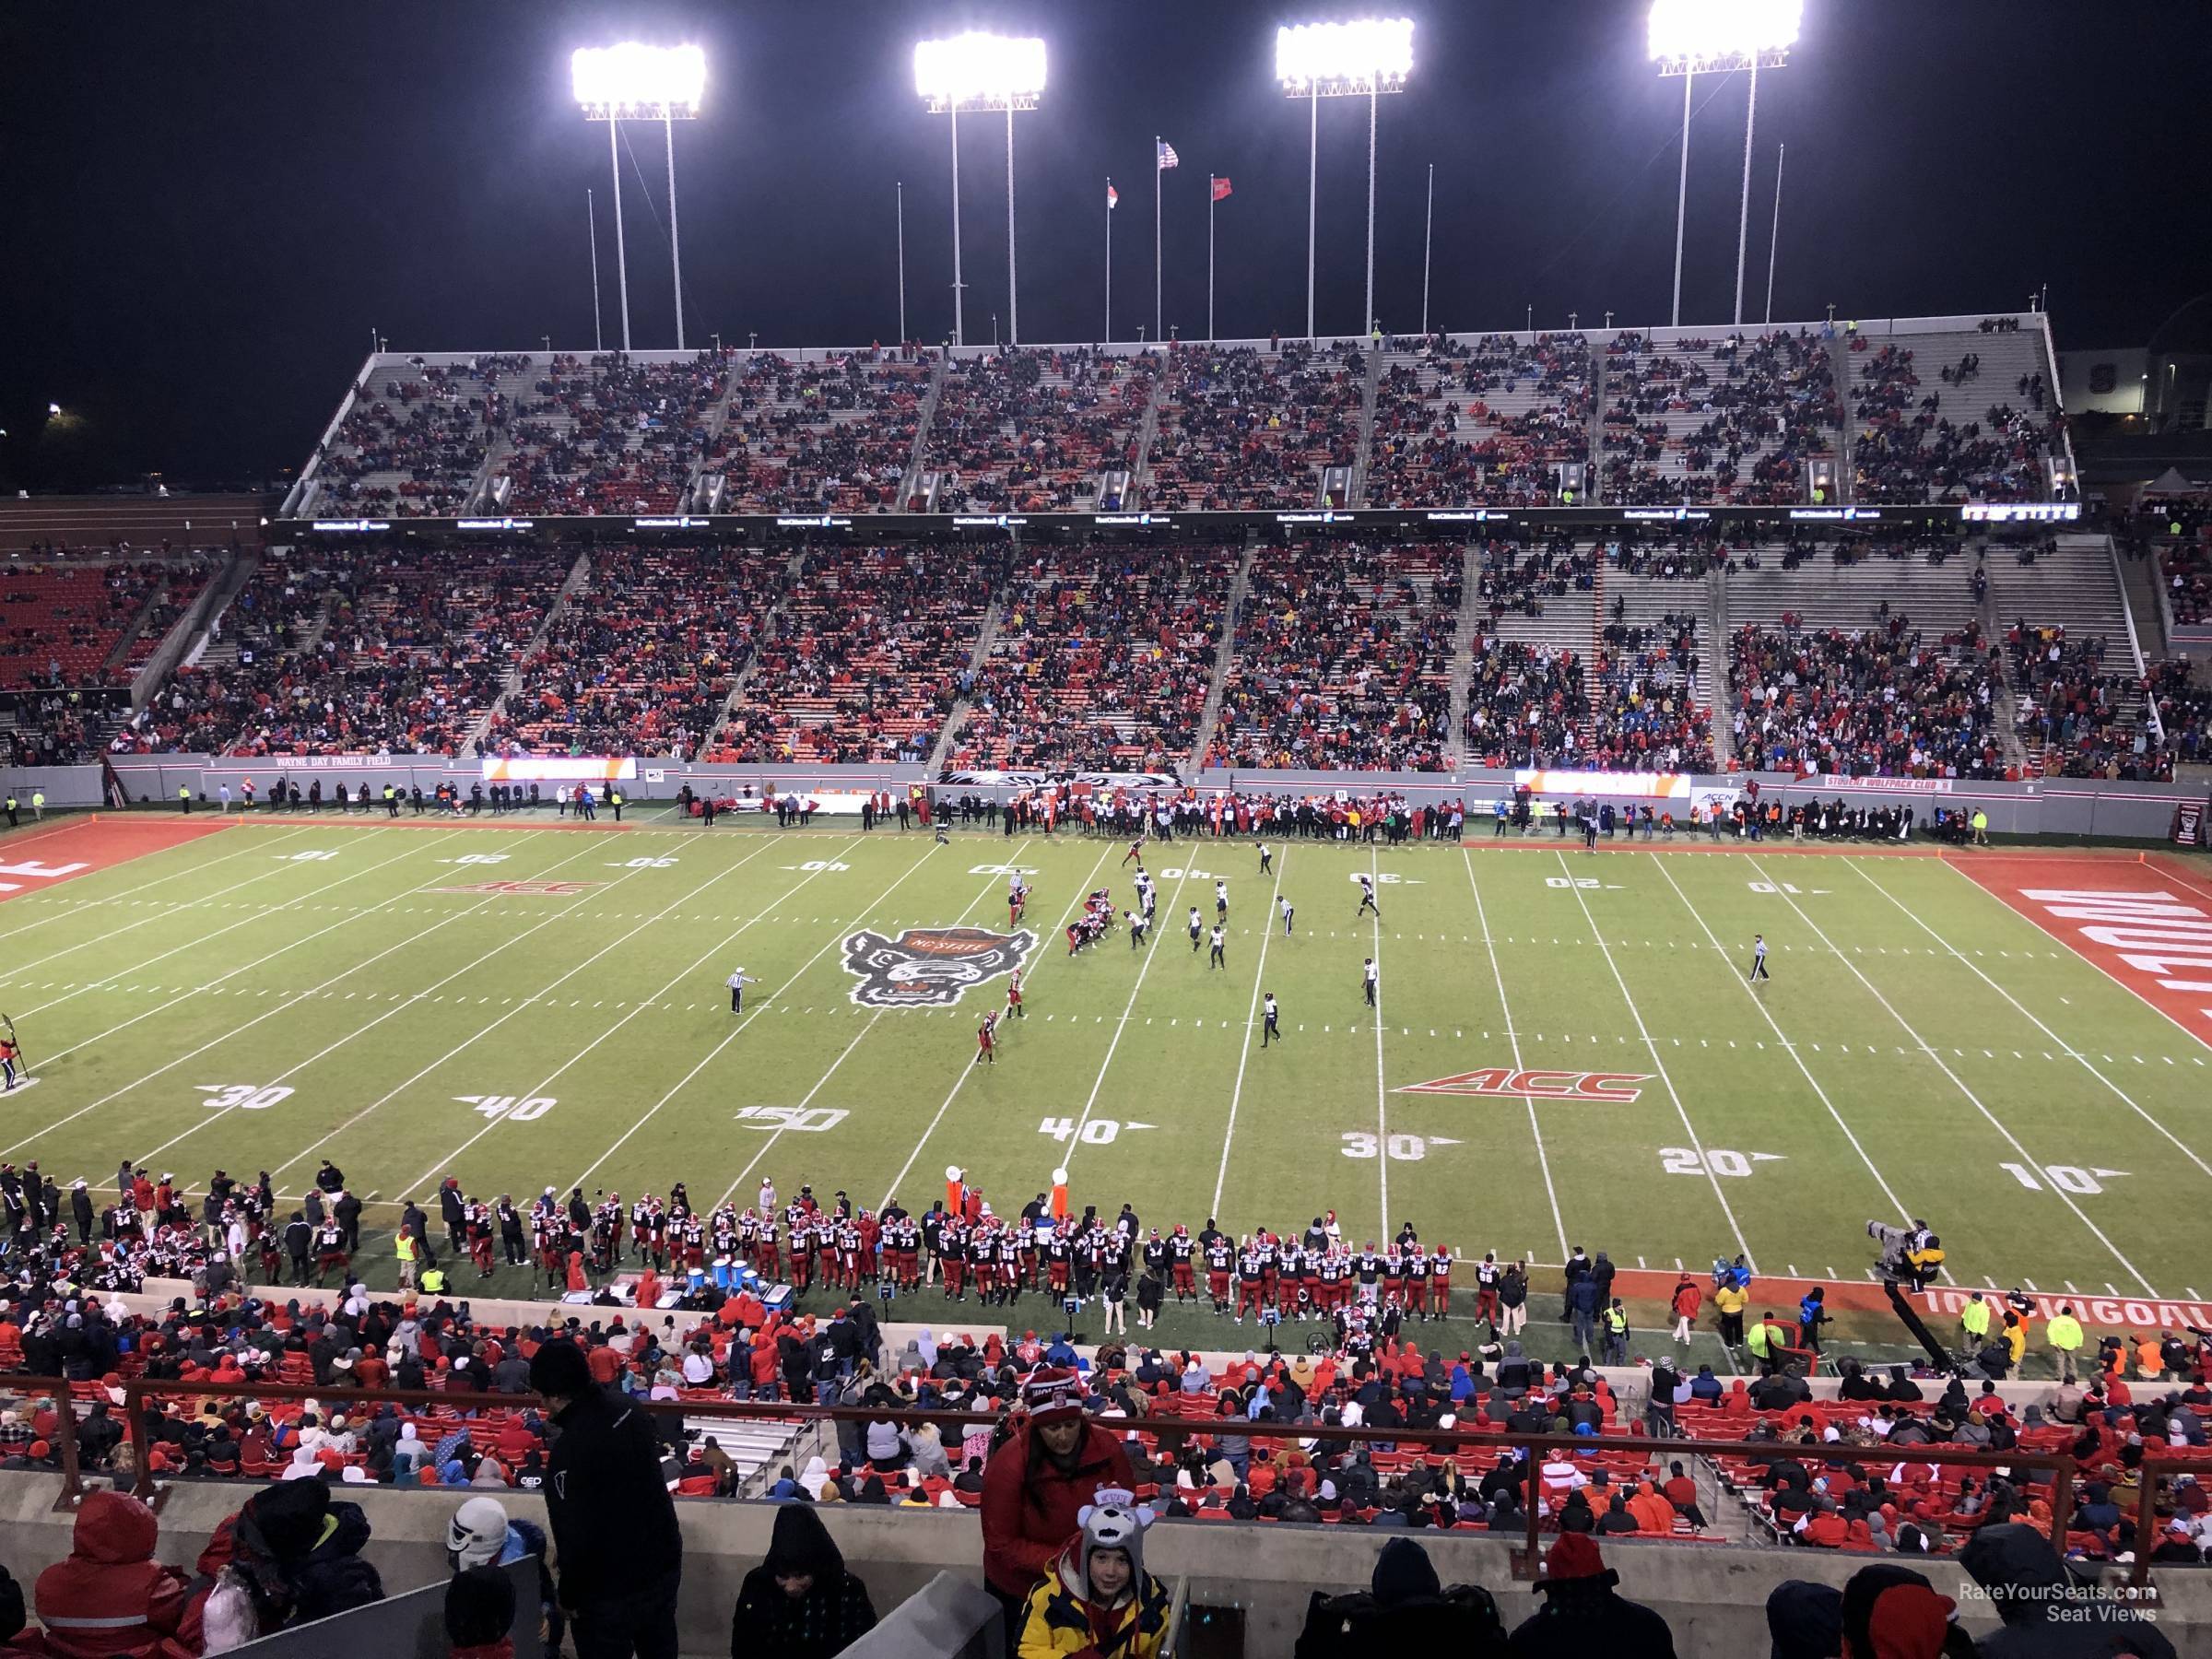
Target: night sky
{"type": "Point", "coordinates": [209, 206]}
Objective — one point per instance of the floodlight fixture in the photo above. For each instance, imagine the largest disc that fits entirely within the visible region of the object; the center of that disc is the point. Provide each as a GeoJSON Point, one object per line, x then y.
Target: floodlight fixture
{"type": "Point", "coordinates": [54, 408]}
{"type": "Point", "coordinates": [978, 71]}
{"type": "Point", "coordinates": [1701, 37]}
{"type": "Point", "coordinates": [635, 82]}
{"type": "Point", "coordinates": [1364, 58]}
{"type": "Point", "coordinates": [1690, 38]}
{"type": "Point", "coordinates": [1343, 60]}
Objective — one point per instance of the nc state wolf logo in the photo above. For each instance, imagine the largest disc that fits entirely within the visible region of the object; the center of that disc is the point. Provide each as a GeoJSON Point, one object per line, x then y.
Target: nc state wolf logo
{"type": "Point", "coordinates": [930, 967]}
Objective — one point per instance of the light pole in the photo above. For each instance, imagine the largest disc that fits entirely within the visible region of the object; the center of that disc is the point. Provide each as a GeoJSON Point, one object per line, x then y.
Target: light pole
{"type": "Point", "coordinates": [635, 82]}
{"type": "Point", "coordinates": [1428, 236]}
{"type": "Point", "coordinates": [979, 72]}
{"type": "Point", "coordinates": [1690, 38]}
{"type": "Point", "coordinates": [1366, 58]}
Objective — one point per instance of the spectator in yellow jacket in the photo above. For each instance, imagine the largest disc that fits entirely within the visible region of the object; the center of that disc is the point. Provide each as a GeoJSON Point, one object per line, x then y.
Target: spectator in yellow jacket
{"type": "Point", "coordinates": [1098, 1598]}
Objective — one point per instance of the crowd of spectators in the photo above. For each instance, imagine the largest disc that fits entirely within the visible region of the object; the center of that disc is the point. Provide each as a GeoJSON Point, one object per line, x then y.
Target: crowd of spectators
{"type": "Point", "coordinates": [833, 434]}
{"type": "Point", "coordinates": [642, 657]}
{"type": "Point", "coordinates": [1517, 577]}
{"type": "Point", "coordinates": [2076, 718]}
{"type": "Point", "coordinates": [391, 652]}
{"type": "Point", "coordinates": [1103, 659]}
{"type": "Point", "coordinates": [1879, 701]}
{"type": "Point", "coordinates": [1527, 705]}
{"type": "Point", "coordinates": [1342, 659]}
{"type": "Point", "coordinates": [1241, 427]}
{"type": "Point", "coordinates": [1029, 432]}
{"type": "Point", "coordinates": [416, 436]}
{"type": "Point", "coordinates": [2181, 533]}
{"type": "Point", "coordinates": [1488, 421]}
{"type": "Point", "coordinates": [610, 434]}
{"type": "Point", "coordinates": [2185, 706]}
{"type": "Point", "coordinates": [868, 653]}
{"type": "Point", "coordinates": [1906, 449]}
{"type": "Point", "coordinates": [1728, 420]}
{"type": "Point", "coordinates": [1646, 715]}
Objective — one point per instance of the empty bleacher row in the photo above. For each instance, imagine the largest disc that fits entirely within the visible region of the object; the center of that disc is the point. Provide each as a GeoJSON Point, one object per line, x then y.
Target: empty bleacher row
{"type": "Point", "coordinates": [1936, 410]}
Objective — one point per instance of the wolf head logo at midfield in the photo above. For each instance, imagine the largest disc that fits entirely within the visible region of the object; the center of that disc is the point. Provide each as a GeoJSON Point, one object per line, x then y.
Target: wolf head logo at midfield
{"type": "Point", "coordinates": [930, 967]}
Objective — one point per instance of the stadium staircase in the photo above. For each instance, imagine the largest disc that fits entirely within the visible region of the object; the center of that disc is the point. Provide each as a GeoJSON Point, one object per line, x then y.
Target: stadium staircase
{"type": "Point", "coordinates": [1357, 494]}
{"type": "Point", "coordinates": [985, 637]}
{"type": "Point", "coordinates": [1591, 481]}
{"type": "Point", "coordinates": [1569, 622]}
{"type": "Point", "coordinates": [1468, 640]}
{"type": "Point", "coordinates": [704, 490]}
{"type": "Point", "coordinates": [1140, 475]}
{"type": "Point", "coordinates": [1211, 715]}
{"type": "Point", "coordinates": [1643, 601]}
{"type": "Point", "coordinates": [1716, 657]}
{"type": "Point", "coordinates": [512, 681]}
{"type": "Point", "coordinates": [2148, 606]}
{"type": "Point", "coordinates": [765, 631]}
{"type": "Point", "coordinates": [2079, 587]}
{"type": "Point", "coordinates": [916, 480]}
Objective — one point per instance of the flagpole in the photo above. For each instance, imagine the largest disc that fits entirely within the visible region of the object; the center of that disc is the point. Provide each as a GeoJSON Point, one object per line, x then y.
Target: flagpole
{"type": "Point", "coordinates": [1209, 257]}
{"type": "Point", "coordinates": [591, 218]}
{"type": "Point", "coordinates": [1156, 171]}
{"type": "Point", "coordinates": [1427, 235]}
{"type": "Point", "coordinates": [1109, 258]}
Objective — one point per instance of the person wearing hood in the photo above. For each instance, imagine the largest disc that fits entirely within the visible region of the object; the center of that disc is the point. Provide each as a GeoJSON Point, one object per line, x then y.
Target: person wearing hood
{"type": "Point", "coordinates": [1893, 1613]}
{"type": "Point", "coordinates": [930, 1459]}
{"type": "Point", "coordinates": [2043, 1619]}
{"type": "Point", "coordinates": [111, 1598]}
{"type": "Point", "coordinates": [1583, 1612]}
{"type": "Point", "coordinates": [1805, 1620]}
{"type": "Point", "coordinates": [296, 1556]}
{"type": "Point", "coordinates": [1037, 1482]}
{"type": "Point", "coordinates": [480, 1534]}
{"type": "Point", "coordinates": [1405, 1603]}
{"type": "Point", "coordinates": [800, 1603]}
{"type": "Point", "coordinates": [1097, 1598]}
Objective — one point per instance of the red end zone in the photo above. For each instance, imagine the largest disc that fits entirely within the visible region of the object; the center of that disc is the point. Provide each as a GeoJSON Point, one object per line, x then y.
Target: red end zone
{"type": "Point", "coordinates": [2145, 925]}
{"type": "Point", "coordinates": [86, 846]}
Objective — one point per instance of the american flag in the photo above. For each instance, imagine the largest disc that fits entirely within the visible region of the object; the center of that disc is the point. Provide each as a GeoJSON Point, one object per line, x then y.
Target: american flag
{"type": "Point", "coordinates": [1167, 155]}
{"type": "Point", "coordinates": [1113, 198]}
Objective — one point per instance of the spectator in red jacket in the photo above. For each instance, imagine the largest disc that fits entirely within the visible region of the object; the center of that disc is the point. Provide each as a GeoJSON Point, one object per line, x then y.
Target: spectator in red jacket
{"type": "Point", "coordinates": [1045, 1471]}
{"type": "Point", "coordinates": [111, 1599]}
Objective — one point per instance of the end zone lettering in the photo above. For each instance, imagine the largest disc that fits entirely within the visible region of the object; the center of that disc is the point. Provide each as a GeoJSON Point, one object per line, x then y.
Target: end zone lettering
{"type": "Point", "coordinates": [547, 888]}
{"type": "Point", "coordinates": [1506, 1082]}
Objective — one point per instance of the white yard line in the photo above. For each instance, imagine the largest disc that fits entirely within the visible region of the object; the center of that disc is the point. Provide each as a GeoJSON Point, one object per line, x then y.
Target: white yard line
{"type": "Point", "coordinates": [262, 913]}
{"type": "Point", "coordinates": [807, 1098]}
{"type": "Point", "coordinates": [1793, 1049]}
{"type": "Point", "coordinates": [1973, 1099]}
{"type": "Point", "coordinates": [521, 1004]}
{"type": "Point", "coordinates": [835, 940]}
{"type": "Point", "coordinates": [68, 907]}
{"type": "Point", "coordinates": [968, 1067]}
{"type": "Point", "coordinates": [287, 1001]}
{"type": "Point", "coordinates": [1650, 1047]}
{"type": "Point", "coordinates": [2065, 1047]}
{"type": "Point", "coordinates": [413, 998]}
{"type": "Point", "coordinates": [1067, 1159]}
{"type": "Point", "coordinates": [1513, 1038]}
{"type": "Point", "coordinates": [1251, 1015]}
{"type": "Point", "coordinates": [1382, 1095]}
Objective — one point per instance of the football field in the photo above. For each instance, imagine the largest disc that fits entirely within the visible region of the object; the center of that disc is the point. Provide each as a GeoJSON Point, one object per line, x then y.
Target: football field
{"type": "Point", "coordinates": [1566, 1049]}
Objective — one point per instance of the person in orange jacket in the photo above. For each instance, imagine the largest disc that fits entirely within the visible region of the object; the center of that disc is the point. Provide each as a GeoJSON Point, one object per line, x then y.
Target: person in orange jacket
{"type": "Point", "coordinates": [111, 1599]}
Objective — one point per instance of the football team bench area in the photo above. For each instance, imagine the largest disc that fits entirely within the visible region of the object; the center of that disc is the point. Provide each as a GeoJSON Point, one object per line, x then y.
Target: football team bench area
{"type": "Point", "coordinates": [1564, 1048]}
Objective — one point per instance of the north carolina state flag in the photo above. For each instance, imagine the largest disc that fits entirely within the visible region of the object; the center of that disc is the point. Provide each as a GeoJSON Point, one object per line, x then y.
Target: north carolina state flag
{"type": "Point", "coordinates": [1221, 190]}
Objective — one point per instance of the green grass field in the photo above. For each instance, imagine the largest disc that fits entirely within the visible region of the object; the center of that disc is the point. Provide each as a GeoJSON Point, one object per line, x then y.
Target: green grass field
{"type": "Point", "coordinates": [266, 996]}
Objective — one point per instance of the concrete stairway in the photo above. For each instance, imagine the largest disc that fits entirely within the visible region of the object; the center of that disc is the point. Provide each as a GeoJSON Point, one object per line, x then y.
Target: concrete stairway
{"type": "Point", "coordinates": [1211, 716]}
{"type": "Point", "coordinates": [986, 637]}
{"type": "Point", "coordinates": [578, 573]}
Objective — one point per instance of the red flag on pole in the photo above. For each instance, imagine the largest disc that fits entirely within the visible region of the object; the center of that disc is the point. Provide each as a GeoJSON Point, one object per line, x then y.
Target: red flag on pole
{"type": "Point", "coordinates": [1221, 190]}
{"type": "Point", "coordinates": [1113, 197]}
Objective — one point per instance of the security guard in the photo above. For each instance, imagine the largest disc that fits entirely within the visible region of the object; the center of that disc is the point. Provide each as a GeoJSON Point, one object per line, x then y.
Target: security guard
{"type": "Point", "coordinates": [391, 802]}
{"type": "Point", "coordinates": [614, 799]}
{"type": "Point", "coordinates": [11, 809]}
{"type": "Point", "coordinates": [38, 804]}
{"type": "Point", "coordinates": [185, 798]}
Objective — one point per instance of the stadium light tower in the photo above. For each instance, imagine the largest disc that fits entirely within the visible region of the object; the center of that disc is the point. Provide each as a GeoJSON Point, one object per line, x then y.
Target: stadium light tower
{"type": "Point", "coordinates": [633, 82]}
{"type": "Point", "coordinates": [980, 71]}
{"type": "Point", "coordinates": [1690, 38]}
{"type": "Point", "coordinates": [1313, 60]}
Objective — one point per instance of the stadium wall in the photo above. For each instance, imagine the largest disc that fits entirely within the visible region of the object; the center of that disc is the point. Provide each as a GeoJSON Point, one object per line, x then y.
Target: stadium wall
{"type": "Point", "coordinates": [2057, 806]}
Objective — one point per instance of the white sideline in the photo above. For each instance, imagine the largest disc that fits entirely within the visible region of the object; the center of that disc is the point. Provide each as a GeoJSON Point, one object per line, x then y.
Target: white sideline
{"type": "Point", "coordinates": [216, 1041]}
{"type": "Point", "coordinates": [2065, 1047]}
{"type": "Point", "coordinates": [1259, 979]}
{"type": "Point", "coordinates": [835, 938]}
{"type": "Point", "coordinates": [1973, 1099]}
{"type": "Point", "coordinates": [529, 1001]}
{"type": "Point", "coordinates": [1513, 1036]}
{"type": "Point", "coordinates": [960, 1082]}
{"type": "Point", "coordinates": [1650, 1047]}
{"type": "Point", "coordinates": [402, 1006]}
{"type": "Point", "coordinates": [1793, 1049]}
{"type": "Point", "coordinates": [76, 907]}
{"type": "Point", "coordinates": [807, 1098]}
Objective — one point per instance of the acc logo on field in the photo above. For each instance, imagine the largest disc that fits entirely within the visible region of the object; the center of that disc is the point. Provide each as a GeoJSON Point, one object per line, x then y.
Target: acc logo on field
{"type": "Point", "coordinates": [930, 967]}
{"type": "Point", "coordinates": [555, 889]}
{"type": "Point", "coordinates": [1505, 1081]}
